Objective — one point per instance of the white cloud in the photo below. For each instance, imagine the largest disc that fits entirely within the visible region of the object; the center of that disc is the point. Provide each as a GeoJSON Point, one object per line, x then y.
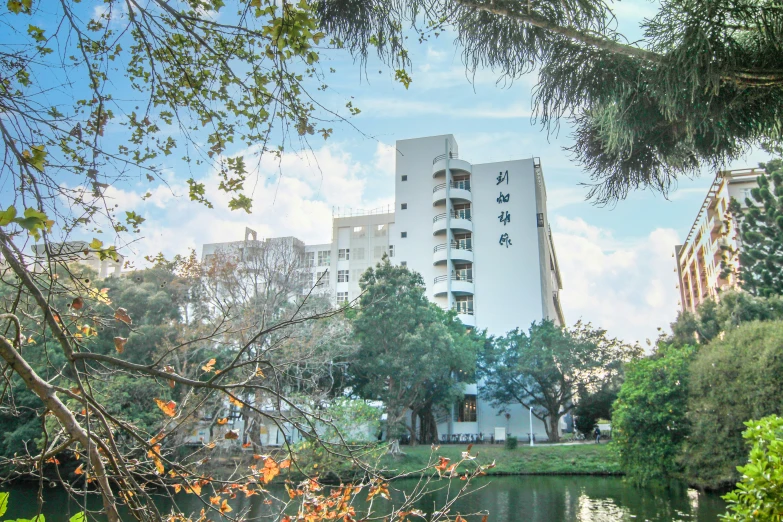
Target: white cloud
{"type": "Point", "coordinates": [406, 107]}
{"type": "Point", "coordinates": [294, 195]}
{"type": "Point", "coordinates": [627, 287]}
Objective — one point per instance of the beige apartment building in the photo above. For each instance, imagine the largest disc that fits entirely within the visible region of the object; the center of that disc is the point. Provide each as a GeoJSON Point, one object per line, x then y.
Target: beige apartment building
{"type": "Point", "coordinates": [714, 234]}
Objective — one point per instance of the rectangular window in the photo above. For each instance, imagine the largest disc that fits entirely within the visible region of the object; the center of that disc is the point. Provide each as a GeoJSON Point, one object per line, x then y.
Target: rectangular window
{"type": "Point", "coordinates": [309, 259]}
{"type": "Point", "coordinates": [358, 232]}
{"type": "Point", "coordinates": [380, 231]}
{"type": "Point", "coordinates": [358, 254]}
{"type": "Point", "coordinates": [461, 182]}
{"type": "Point", "coordinates": [391, 250]}
{"type": "Point", "coordinates": [342, 297]}
{"type": "Point", "coordinates": [462, 211]}
{"type": "Point", "coordinates": [324, 257]}
{"type": "Point", "coordinates": [322, 278]}
{"type": "Point", "coordinates": [404, 206]}
{"type": "Point", "coordinates": [342, 276]}
{"type": "Point", "coordinates": [464, 304]}
{"type": "Point", "coordinates": [344, 254]}
{"type": "Point", "coordinates": [404, 177]}
{"type": "Point", "coordinates": [463, 272]}
{"type": "Point", "coordinates": [467, 409]}
{"type": "Point", "coordinates": [403, 234]}
{"type": "Point", "coordinates": [463, 241]}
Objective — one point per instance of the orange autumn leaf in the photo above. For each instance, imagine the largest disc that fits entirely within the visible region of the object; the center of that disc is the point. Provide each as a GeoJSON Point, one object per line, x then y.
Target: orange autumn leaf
{"type": "Point", "coordinates": [169, 408]}
{"type": "Point", "coordinates": [247, 445]}
{"type": "Point", "coordinates": [195, 488]}
{"type": "Point", "coordinates": [171, 383]}
{"type": "Point", "coordinates": [159, 466]}
{"type": "Point", "coordinates": [177, 488]}
{"type": "Point", "coordinates": [236, 402]}
{"type": "Point", "coordinates": [222, 422]}
{"type": "Point", "coordinates": [119, 344]}
{"type": "Point", "coordinates": [214, 500]}
{"type": "Point", "coordinates": [270, 470]}
{"type": "Point", "coordinates": [121, 314]}
{"type": "Point", "coordinates": [77, 304]}
{"type": "Point", "coordinates": [224, 507]}
{"type": "Point", "coordinates": [79, 470]}
{"type": "Point", "coordinates": [231, 435]}
{"type": "Point", "coordinates": [285, 464]}
{"type": "Point", "coordinates": [53, 460]}
{"type": "Point", "coordinates": [209, 366]}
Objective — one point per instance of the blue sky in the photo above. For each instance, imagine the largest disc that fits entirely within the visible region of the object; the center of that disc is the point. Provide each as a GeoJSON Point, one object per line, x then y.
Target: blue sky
{"type": "Point", "coordinates": [616, 262]}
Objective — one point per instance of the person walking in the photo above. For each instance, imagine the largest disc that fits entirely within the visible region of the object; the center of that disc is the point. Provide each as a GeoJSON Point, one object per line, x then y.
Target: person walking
{"type": "Point", "coordinates": [597, 435]}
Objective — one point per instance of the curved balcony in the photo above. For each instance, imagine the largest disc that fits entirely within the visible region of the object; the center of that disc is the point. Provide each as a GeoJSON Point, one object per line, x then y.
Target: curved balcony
{"type": "Point", "coordinates": [467, 317]}
{"type": "Point", "coordinates": [455, 165]}
{"type": "Point", "coordinates": [459, 285]}
{"type": "Point", "coordinates": [459, 224]}
{"type": "Point", "coordinates": [460, 193]}
{"type": "Point", "coordinates": [457, 254]}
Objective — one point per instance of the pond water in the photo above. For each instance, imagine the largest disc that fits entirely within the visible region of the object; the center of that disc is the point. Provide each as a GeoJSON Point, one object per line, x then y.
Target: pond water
{"type": "Point", "coordinates": [507, 499]}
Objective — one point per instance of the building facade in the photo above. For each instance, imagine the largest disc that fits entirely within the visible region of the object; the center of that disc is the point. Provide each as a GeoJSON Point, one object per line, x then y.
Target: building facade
{"type": "Point", "coordinates": [477, 233]}
{"type": "Point", "coordinates": [713, 236]}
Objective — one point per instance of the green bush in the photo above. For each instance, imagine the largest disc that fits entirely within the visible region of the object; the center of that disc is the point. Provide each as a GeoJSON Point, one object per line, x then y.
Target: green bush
{"type": "Point", "coordinates": [649, 423]}
{"type": "Point", "coordinates": [511, 443]}
{"type": "Point", "coordinates": [732, 381]}
{"type": "Point", "coordinates": [759, 496]}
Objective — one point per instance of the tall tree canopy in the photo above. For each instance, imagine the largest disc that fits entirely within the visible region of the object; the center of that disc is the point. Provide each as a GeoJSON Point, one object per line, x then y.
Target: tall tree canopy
{"type": "Point", "coordinates": [704, 84]}
{"type": "Point", "coordinates": [544, 368]}
{"type": "Point", "coordinates": [412, 354]}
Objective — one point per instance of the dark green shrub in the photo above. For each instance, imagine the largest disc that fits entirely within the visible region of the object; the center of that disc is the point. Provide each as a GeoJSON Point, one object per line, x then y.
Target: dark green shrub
{"type": "Point", "coordinates": [760, 494]}
{"type": "Point", "coordinates": [591, 408]}
{"type": "Point", "coordinates": [649, 423]}
{"type": "Point", "coordinates": [511, 443]}
{"type": "Point", "coordinates": [732, 381]}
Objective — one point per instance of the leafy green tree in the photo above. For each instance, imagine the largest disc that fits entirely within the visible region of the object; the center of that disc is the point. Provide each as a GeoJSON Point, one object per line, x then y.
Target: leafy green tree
{"type": "Point", "coordinates": [732, 381]}
{"type": "Point", "coordinates": [761, 234]}
{"type": "Point", "coordinates": [545, 367]}
{"type": "Point", "coordinates": [759, 495]}
{"type": "Point", "coordinates": [593, 406]}
{"type": "Point", "coordinates": [703, 85]}
{"type": "Point", "coordinates": [412, 355]}
{"type": "Point", "coordinates": [649, 422]}
{"type": "Point", "coordinates": [714, 317]}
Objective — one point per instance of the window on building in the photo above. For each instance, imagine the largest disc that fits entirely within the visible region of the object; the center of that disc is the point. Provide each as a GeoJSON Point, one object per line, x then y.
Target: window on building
{"type": "Point", "coordinates": [404, 206]}
{"type": "Point", "coordinates": [342, 276]}
{"type": "Point", "coordinates": [403, 234]}
{"type": "Point", "coordinates": [463, 272]}
{"type": "Point", "coordinates": [344, 254]}
{"type": "Point", "coordinates": [322, 278]}
{"type": "Point", "coordinates": [378, 251]}
{"type": "Point", "coordinates": [358, 254]}
{"type": "Point", "coordinates": [461, 182]}
{"type": "Point", "coordinates": [463, 241]}
{"type": "Point", "coordinates": [747, 194]}
{"type": "Point", "coordinates": [356, 275]}
{"type": "Point", "coordinates": [467, 409]}
{"type": "Point", "coordinates": [462, 211]}
{"type": "Point", "coordinates": [380, 231]}
{"type": "Point", "coordinates": [403, 263]}
{"type": "Point", "coordinates": [404, 177]}
{"type": "Point", "coordinates": [310, 259]}
{"type": "Point", "coordinates": [391, 250]}
{"type": "Point", "coordinates": [464, 304]}
{"type": "Point", "coordinates": [358, 232]}
{"type": "Point", "coordinates": [324, 257]}
{"type": "Point", "coordinates": [342, 297]}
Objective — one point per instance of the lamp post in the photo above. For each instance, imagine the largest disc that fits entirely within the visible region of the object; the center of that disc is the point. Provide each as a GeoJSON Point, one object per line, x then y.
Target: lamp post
{"type": "Point", "coordinates": [530, 412]}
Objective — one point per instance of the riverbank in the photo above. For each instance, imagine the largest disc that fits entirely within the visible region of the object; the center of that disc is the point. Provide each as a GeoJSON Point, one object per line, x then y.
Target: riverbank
{"type": "Point", "coordinates": [544, 459]}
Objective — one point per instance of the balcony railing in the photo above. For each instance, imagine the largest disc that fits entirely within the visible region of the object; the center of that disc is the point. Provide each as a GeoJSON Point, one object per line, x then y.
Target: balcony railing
{"type": "Point", "coordinates": [452, 155]}
{"type": "Point", "coordinates": [454, 215]}
{"type": "Point", "coordinates": [465, 310]}
{"type": "Point", "coordinates": [454, 246]}
{"type": "Point", "coordinates": [454, 184]}
{"type": "Point", "coordinates": [456, 277]}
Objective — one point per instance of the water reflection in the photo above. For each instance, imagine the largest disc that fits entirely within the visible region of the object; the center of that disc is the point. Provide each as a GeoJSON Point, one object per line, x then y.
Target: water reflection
{"type": "Point", "coordinates": [508, 499]}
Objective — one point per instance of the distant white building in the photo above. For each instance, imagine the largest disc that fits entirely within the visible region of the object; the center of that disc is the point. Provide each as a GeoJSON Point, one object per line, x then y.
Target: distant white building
{"type": "Point", "coordinates": [78, 252]}
{"type": "Point", "coordinates": [479, 236]}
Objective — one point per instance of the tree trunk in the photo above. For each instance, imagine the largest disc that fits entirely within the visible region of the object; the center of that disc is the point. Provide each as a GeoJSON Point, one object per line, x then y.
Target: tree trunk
{"type": "Point", "coordinates": [429, 428]}
{"type": "Point", "coordinates": [412, 428]}
{"type": "Point", "coordinates": [553, 428]}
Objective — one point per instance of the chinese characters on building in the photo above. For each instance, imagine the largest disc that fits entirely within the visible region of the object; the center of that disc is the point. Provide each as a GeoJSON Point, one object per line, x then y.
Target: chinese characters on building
{"type": "Point", "coordinates": [505, 215]}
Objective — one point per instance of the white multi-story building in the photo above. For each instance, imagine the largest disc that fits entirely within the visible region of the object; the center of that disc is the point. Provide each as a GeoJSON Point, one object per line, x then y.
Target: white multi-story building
{"type": "Point", "coordinates": [479, 236]}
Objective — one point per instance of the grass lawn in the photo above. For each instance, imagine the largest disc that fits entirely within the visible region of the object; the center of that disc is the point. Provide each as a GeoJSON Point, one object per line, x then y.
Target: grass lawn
{"type": "Point", "coordinates": [585, 458]}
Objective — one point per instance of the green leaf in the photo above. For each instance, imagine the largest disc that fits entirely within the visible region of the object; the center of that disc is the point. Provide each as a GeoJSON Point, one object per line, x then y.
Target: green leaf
{"type": "Point", "coordinates": [31, 213]}
{"type": "Point", "coordinates": [3, 502]}
{"type": "Point", "coordinates": [241, 202]}
{"type": "Point", "coordinates": [78, 517]}
{"type": "Point", "coordinates": [96, 244]}
{"type": "Point", "coordinates": [6, 216]}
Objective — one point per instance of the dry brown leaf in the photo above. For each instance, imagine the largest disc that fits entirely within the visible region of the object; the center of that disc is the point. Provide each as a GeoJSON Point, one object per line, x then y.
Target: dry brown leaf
{"type": "Point", "coordinates": [119, 344]}
{"type": "Point", "coordinates": [121, 314]}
